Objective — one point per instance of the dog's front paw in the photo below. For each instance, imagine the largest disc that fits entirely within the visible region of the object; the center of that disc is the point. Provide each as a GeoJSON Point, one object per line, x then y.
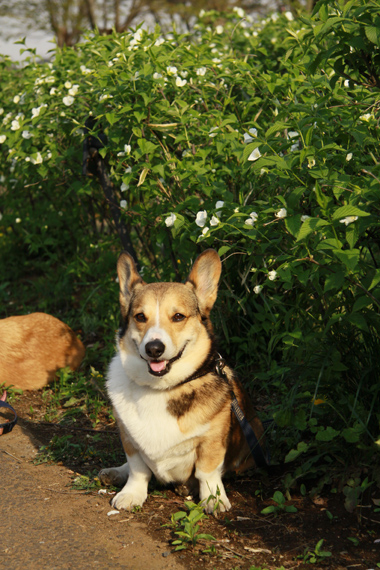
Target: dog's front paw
{"type": "Point", "coordinates": [128, 500]}
{"type": "Point", "coordinates": [116, 476]}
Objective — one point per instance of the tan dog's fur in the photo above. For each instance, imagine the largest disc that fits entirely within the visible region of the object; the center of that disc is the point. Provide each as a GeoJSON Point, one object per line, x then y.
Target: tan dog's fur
{"type": "Point", "coordinates": [33, 347]}
{"type": "Point", "coordinates": [174, 422]}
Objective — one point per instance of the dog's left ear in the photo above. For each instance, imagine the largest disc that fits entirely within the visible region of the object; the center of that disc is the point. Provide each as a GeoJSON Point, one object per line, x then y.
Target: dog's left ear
{"type": "Point", "coordinates": [204, 277]}
{"type": "Point", "coordinates": [128, 279]}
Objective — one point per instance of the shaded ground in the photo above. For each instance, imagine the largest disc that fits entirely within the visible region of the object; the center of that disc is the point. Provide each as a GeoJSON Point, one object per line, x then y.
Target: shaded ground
{"type": "Point", "coordinates": [48, 524]}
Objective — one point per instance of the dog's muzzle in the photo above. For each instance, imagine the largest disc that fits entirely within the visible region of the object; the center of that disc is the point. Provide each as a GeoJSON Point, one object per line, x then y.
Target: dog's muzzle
{"type": "Point", "coordinates": [154, 349]}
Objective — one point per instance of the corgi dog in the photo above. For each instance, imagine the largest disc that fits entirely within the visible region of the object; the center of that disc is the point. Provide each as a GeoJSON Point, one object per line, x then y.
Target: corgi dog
{"type": "Point", "coordinates": [172, 407]}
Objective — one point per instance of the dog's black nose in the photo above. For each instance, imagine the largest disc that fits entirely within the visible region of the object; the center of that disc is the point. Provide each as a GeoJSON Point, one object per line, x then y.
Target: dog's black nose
{"type": "Point", "coordinates": [154, 348]}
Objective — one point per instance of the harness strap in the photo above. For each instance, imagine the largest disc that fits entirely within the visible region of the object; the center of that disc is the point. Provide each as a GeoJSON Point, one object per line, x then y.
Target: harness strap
{"type": "Point", "coordinates": [261, 459]}
{"type": "Point", "coordinates": [8, 426]}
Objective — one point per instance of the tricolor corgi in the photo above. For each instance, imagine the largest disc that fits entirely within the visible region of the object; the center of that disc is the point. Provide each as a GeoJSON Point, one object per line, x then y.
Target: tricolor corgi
{"type": "Point", "coordinates": [172, 407]}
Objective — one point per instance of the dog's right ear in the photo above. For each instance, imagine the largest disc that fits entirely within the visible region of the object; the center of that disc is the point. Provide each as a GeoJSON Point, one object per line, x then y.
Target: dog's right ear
{"type": "Point", "coordinates": [128, 279]}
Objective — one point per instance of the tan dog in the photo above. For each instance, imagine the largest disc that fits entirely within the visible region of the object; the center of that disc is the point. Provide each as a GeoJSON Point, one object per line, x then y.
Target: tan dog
{"type": "Point", "coordinates": [33, 347]}
{"type": "Point", "coordinates": [173, 409]}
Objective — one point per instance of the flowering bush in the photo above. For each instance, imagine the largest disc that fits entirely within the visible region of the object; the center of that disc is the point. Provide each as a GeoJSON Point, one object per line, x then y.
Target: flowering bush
{"type": "Point", "coordinates": [257, 139]}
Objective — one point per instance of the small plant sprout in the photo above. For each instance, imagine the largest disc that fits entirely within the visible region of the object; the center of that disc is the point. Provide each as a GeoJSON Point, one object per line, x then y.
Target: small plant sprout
{"type": "Point", "coordinates": [280, 506]}
{"type": "Point", "coordinates": [188, 525]}
{"type": "Point", "coordinates": [316, 555]}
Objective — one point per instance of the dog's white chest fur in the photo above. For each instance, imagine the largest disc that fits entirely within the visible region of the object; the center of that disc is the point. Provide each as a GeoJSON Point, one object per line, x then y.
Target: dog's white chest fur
{"type": "Point", "coordinates": [168, 452]}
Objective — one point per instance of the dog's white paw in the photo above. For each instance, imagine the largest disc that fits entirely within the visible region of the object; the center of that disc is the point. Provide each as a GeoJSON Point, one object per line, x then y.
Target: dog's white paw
{"type": "Point", "coordinates": [128, 500]}
{"type": "Point", "coordinates": [116, 476]}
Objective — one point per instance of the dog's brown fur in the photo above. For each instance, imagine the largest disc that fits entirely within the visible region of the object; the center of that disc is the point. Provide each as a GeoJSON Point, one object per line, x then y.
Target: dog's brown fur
{"type": "Point", "coordinates": [33, 347]}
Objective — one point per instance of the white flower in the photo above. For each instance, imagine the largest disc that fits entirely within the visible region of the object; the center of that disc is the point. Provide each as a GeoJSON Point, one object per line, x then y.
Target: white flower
{"type": "Point", "coordinates": [68, 100]}
{"type": "Point", "coordinates": [201, 71]}
{"type": "Point", "coordinates": [159, 41]}
{"type": "Point", "coordinates": [35, 112]}
{"type": "Point", "coordinates": [52, 91]}
{"type": "Point", "coordinates": [257, 289]}
{"type": "Point", "coordinates": [18, 220]}
{"type": "Point", "coordinates": [272, 275]}
{"type": "Point", "coordinates": [216, 60]}
{"type": "Point", "coordinates": [127, 148]}
{"type": "Point", "coordinates": [180, 82]}
{"type": "Point", "coordinates": [249, 137]}
{"type": "Point", "coordinates": [169, 222]}
{"type": "Point", "coordinates": [311, 162]}
{"type": "Point", "coordinates": [205, 230]}
{"type": "Point", "coordinates": [201, 218]}
{"type": "Point", "coordinates": [105, 96]}
{"type": "Point", "coordinates": [213, 132]}
{"type": "Point", "coordinates": [124, 187]}
{"type": "Point", "coordinates": [239, 11]}
{"type": "Point", "coordinates": [15, 125]}
{"type": "Point", "coordinates": [48, 155]}
{"type": "Point", "coordinates": [157, 76]}
{"type": "Point", "coordinates": [348, 220]}
{"type": "Point", "coordinates": [74, 90]}
{"type": "Point", "coordinates": [249, 222]}
{"type": "Point", "coordinates": [85, 70]}
{"type": "Point", "coordinates": [16, 99]}
{"type": "Point", "coordinates": [38, 159]}
{"type": "Point", "coordinates": [27, 159]}
{"type": "Point", "coordinates": [289, 16]}
{"type": "Point", "coordinates": [1, 110]}
{"type": "Point", "coordinates": [219, 29]}
{"type": "Point", "coordinates": [68, 85]}
{"type": "Point", "coordinates": [281, 213]}
{"type": "Point", "coordinates": [2, 138]}
{"type": "Point", "coordinates": [219, 204]}
{"type": "Point", "coordinates": [136, 76]}
{"type": "Point", "coordinates": [255, 155]}
{"type": "Point", "coordinates": [365, 117]}
{"type": "Point", "coordinates": [349, 156]}
{"type": "Point", "coordinates": [292, 134]}
{"type": "Point", "coordinates": [346, 83]}
{"type": "Point", "coordinates": [128, 170]}
{"type": "Point", "coordinates": [172, 70]}
{"type": "Point", "coordinates": [254, 216]}
{"type": "Point", "coordinates": [214, 221]}
{"type": "Point", "coordinates": [202, 13]}
{"type": "Point", "coordinates": [123, 203]}
{"type": "Point", "coordinates": [304, 218]}
{"type": "Point", "coordinates": [26, 134]}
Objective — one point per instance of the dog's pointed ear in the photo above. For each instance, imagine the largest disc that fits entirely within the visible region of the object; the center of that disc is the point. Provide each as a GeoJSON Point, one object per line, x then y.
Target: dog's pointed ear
{"type": "Point", "coordinates": [129, 278]}
{"type": "Point", "coordinates": [204, 278]}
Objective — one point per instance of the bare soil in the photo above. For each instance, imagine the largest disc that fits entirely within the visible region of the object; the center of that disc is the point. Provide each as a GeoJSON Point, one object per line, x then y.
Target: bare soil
{"type": "Point", "coordinates": [48, 524]}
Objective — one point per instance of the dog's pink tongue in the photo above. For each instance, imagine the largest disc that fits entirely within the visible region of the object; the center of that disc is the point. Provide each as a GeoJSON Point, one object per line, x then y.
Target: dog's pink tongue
{"type": "Point", "coordinates": [158, 366]}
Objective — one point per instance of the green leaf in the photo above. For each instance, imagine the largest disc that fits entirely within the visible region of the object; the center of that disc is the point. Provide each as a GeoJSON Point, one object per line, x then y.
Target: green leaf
{"type": "Point", "coordinates": [310, 225]}
{"type": "Point", "coordinates": [276, 127]}
{"type": "Point", "coordinates": [348, 210]}
{"type": "Point", "coordinates": [326, 434]}
{"type": "Point", "coordinates": [350, 258]}
{"type": "Point", "coordinates": [293, 224]}
{"type": "Point", "coordinates": [373, 34]}
{"type": "Point", "coordinates": [334, 281]}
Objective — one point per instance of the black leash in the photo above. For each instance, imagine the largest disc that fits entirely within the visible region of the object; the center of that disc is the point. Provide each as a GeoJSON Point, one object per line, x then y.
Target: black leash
{"type": "Point", "coordinates": [261, 458]}
{"type": "Point", "coordinates": [8, 426]}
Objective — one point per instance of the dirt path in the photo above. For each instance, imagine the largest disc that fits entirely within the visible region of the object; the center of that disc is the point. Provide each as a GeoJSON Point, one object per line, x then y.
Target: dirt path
{"type": "Point", "coordinates": [47, 526]}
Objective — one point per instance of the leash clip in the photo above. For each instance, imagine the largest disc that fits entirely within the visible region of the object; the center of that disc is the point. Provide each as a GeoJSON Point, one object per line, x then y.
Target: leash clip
{"type": "Point", "coordinates": [220, 364]}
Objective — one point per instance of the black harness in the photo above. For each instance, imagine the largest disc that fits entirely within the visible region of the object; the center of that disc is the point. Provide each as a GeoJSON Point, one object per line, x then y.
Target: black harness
{"type": "Point", "coordinates": [8, 426]}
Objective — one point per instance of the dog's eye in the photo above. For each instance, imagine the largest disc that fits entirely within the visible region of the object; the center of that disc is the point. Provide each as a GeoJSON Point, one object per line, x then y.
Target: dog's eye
{"type": "Point", "coordinates": [140, 318]}
{"type": "Point", "coordinates": [178, 317]}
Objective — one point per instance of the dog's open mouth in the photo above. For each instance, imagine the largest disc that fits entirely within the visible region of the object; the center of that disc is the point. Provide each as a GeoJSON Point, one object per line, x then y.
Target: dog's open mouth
{"type": "Point", "coordinates": [158, 367]}
{"type": "Point", "coordinates": [161, 367]}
